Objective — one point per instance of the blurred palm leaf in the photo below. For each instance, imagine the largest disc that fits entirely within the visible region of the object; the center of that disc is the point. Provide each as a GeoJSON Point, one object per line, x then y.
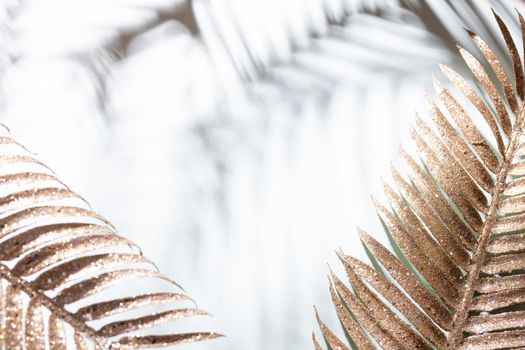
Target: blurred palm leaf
{"type": "Point", "coordinates": [257, 43]}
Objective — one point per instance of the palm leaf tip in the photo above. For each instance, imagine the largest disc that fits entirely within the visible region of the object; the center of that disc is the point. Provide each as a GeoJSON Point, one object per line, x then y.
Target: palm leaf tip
{"type": "Point", "coordinates": [67, 279]}
{"type": "Point", "coordinates": [458, 219]}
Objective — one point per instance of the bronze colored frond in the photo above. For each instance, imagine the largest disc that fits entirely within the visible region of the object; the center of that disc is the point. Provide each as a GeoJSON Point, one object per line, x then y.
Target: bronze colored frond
{"type": "Point", "coordinates": [59, 261]}
{"type": "Point", "coordinates": [458, 219]}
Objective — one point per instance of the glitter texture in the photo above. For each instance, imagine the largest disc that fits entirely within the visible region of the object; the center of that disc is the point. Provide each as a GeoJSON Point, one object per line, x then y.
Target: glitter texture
{"type": "Point", "coordinates": [457, 145]}
{"type": "Point", "coordinates": [349, 323]}
{"type": "Point", "coordinates": [35, 334]}
{"type": "Point", "coordinates": [55, 251]}
{"type": "Point", "coordinates": [457, 221]}
{"type": "Point", "coordinates": [477, 101]}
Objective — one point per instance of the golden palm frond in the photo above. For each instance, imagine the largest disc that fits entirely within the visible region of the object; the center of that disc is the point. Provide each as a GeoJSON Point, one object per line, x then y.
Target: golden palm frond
{"type": "Point", "coordinates": [58, 258]}
{"type": "Point", "coordinates": [457, 225]}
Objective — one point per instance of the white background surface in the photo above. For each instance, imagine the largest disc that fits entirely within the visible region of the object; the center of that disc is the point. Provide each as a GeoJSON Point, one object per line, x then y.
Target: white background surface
{"type": "Point", "coordinates": [240, 158]}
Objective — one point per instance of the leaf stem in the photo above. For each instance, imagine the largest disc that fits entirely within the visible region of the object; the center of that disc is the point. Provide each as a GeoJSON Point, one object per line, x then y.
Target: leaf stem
{"type": "Point", "coordinates": [460, 317]}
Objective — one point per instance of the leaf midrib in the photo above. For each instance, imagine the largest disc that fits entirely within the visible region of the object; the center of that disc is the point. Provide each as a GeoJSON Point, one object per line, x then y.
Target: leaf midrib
{"type": "Point", "coordinates": [460, 316]}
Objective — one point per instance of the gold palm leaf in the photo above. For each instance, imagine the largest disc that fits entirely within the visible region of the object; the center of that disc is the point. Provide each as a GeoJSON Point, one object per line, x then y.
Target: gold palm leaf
{"type": "Point", "coordinates": [457, 224]}
{"type": "Point", "coordinates": [58, 258]}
